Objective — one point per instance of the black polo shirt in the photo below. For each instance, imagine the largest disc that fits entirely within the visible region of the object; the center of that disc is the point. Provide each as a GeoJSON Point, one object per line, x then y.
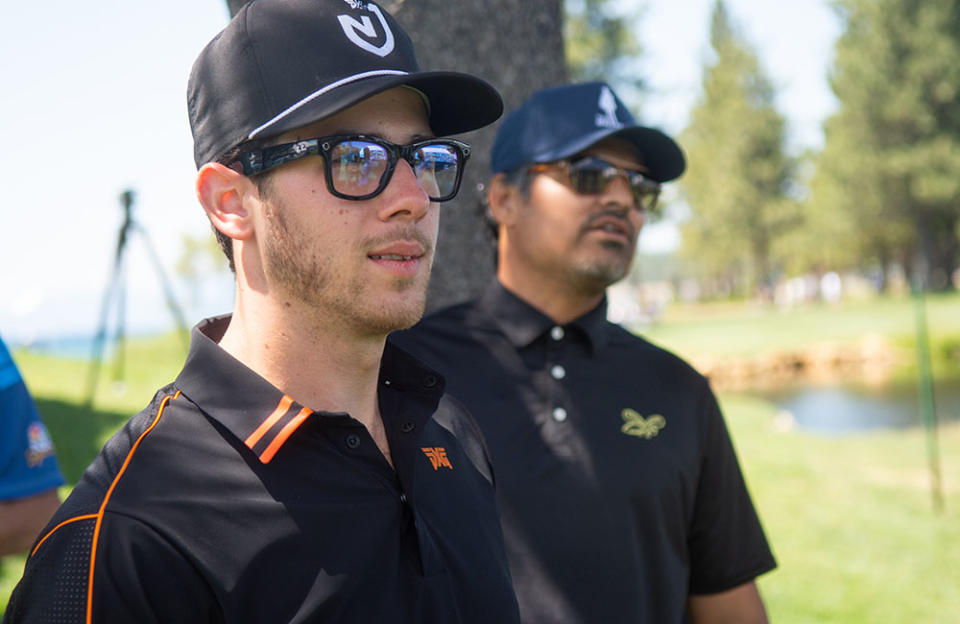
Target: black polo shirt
{"type": "Point", "coordinates": [619, 489]}
{"type": "Point", "coordinates": [227, 501]}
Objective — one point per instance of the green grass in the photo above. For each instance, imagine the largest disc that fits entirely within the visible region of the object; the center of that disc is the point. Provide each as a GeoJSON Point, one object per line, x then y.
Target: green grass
{"type": "Point", "coordinates": [737, 329]}
{"type": "Point", "coordinates": [850, 518]}
{"type": "Point", "coordinates": [851, 521]}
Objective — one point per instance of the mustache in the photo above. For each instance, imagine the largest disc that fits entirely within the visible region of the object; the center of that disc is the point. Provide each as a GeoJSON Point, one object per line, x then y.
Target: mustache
{"type": "Point", "coordinates": [611, 211]}
{"type": "Point", "coordinates": [401, 234]}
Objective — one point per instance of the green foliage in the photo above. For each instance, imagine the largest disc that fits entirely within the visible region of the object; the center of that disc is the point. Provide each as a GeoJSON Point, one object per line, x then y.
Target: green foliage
{"type": "Point", "coordinates": [887, 184]}
{"type": "Point", "coordinates": [738, 173]}
{"type": "Point", "coordinates": [600, 44]}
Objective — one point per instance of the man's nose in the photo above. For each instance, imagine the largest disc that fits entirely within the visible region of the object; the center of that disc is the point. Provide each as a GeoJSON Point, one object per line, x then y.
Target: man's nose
{"type": "Point", "coordinates": [618, 192]}
{"type": "Point", "coordinates": [404, 196]}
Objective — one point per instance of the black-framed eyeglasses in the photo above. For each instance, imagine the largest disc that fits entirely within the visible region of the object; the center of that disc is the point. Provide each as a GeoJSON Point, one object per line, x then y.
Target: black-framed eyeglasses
{"type": "Point", "coordinates": [590, 175]}
{"type": "Point", "coordinates": [358, 166]}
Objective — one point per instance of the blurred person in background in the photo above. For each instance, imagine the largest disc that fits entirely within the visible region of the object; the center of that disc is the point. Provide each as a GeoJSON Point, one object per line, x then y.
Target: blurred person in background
{"type": "Point", "coordinates": [621, 496]}
{"type": "Point", "coordinates": [29, 474]}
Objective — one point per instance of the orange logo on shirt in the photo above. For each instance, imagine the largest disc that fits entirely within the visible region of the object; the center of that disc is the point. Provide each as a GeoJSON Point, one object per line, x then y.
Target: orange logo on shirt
{"type": "Point", "coordinates": [437, 456]}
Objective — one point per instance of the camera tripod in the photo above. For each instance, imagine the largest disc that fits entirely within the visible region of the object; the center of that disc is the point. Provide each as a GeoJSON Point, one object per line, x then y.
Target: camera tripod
{"type": "Point", "coordinates": [115, 295]}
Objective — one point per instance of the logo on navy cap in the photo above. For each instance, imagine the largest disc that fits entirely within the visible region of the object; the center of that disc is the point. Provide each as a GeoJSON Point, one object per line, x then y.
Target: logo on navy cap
{"type": "Point", "coordinates": [361, 32]}
{"type": "Point", "coordinates": [607, 115]}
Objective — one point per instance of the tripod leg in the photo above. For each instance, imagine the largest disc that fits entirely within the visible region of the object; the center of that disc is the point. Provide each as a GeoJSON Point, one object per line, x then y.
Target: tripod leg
{"type": "Point", "coordinates": [120, 336]}
{"type": "Point", "coordinates": [167, 290]}
{"type": "Point", "coordinates": [96, 357]}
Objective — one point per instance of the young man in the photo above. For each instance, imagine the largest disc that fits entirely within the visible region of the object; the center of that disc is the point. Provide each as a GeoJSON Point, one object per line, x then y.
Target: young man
{"type": "Point", "coordinates": [297, 470]}
{"type": "Point", "coordinates": [619, 490]}
{"type": "Point", "coordinates": [29, 475]}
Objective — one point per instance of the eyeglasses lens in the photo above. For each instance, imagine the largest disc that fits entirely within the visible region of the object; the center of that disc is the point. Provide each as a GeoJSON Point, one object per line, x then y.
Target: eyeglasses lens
{"type": "Point", "coordinates": [357, 168]}
{"type": "Point", "coordinates": [436, 168]}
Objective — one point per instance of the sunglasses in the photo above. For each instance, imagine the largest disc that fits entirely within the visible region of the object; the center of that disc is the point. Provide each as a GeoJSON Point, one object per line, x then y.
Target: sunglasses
{"type": "Point", "coordinates": [590, 175]}
{"type": "Point", "coordinates": [359, 167]}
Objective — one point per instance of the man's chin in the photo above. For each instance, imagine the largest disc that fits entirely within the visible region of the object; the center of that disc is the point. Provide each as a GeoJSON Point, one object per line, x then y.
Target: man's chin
{"type": "Point", "coordinates": [395, 315]}
{"type": "Point", "coordinates": [599, 275]}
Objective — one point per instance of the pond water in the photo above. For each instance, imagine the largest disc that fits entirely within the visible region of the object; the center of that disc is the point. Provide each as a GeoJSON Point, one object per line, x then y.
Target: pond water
{"type": "Point", "coordinates": [851, 407]}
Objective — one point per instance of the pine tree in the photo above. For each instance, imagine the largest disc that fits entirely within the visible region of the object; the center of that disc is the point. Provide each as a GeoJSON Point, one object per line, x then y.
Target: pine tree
{"type": "Point", "coordinates": [887, 185]}
{"type": "Point", "coordinates": [738, 171]}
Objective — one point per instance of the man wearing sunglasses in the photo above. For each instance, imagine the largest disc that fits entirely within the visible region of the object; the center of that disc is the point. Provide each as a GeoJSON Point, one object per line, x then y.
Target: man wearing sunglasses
{"type": "Point", "coordinates": [299, 469]}
{"type": "Point", "coordinates": [620, 492]}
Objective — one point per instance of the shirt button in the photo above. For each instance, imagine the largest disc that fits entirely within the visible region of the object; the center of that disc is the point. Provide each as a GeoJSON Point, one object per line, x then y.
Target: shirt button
{"type": "Point", "coordinates": [558, 372]}
{"type": "Point", "coordinates": [407, 427]}
{"type": "Point", "coordinates": [557, 333]}
{"type": "Point", "coordinates": [353, 441]}
{"type": "Point", "coordinates": [559, 414]}
{"type": "Point", "coordinates": [403, 498]}
{"type": "Point", "coordinates": [430, 381]}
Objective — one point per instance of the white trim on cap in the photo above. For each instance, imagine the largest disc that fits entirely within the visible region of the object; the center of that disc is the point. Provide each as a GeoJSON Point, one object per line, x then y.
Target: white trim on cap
{"type": "Point", "coordinates": [319, 92]}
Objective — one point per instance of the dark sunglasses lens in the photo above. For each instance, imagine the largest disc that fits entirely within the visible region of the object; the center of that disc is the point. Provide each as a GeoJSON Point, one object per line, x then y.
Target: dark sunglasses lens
{"type": "Point", "coordinates": [356, 167]}
{"type": "Point", "coordinates": [437, 167]}
{"type": "Point", "coordinates": [645, 194]}
{"type": "Point", "coordinates": [592, 175]}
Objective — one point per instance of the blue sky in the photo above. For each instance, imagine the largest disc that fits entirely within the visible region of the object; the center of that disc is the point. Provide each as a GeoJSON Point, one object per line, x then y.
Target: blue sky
{"type": "Point", "coordinates": [94, 103]}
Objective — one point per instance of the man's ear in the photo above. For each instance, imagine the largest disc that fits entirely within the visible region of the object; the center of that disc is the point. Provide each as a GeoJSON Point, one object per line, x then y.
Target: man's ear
{"type": "Point", "coordinates": [504, 200]}
{"type": "Point", "coordinates": [221, 191]}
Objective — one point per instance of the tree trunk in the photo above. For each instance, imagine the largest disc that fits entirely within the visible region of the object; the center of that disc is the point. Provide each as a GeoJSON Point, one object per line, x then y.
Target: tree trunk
{"type": "Point", "coordinates": [515, 45]}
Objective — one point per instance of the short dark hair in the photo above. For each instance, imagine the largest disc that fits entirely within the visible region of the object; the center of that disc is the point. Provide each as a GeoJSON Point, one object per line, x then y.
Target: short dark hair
{"type": "Point", "coordinates": [519, 178]}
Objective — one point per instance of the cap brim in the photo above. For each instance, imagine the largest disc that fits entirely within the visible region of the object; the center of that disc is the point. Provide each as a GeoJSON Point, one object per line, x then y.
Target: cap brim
{"type": "Point", "coordinates": [458, 102]}
{"type": "Point", "coordinates": [660, 154]}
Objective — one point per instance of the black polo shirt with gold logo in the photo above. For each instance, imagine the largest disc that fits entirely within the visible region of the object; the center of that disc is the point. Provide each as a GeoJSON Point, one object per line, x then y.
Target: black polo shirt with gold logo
{"type": "Point", "coordinates": [619, 489]}
{"type": "Point", "coordinates": [227, 501]}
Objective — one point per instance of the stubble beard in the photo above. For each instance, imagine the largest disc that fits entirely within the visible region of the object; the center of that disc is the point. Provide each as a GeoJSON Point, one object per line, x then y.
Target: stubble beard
{"type": "Point", "coordinates": [592, 273]}
{"type": "Point", "coordinates": [592, 276]}
{"type": "Point", "coordinates": [308, 276]}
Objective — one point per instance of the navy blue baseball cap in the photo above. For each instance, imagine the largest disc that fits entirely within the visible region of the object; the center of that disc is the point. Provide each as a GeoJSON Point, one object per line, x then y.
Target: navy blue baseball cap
{"type": "Point", "coordinates": [559, 122]}
{"type": "Point", "coordinates": [282, 64]}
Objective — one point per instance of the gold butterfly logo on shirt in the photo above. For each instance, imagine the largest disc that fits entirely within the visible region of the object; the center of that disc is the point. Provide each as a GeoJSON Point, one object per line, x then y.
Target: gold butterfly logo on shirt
{"type": "Point", "coordinates": [636, 425]}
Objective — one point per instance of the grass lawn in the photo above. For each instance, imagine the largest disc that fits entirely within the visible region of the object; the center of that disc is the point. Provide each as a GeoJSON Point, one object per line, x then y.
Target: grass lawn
{"type": "Point", "coordinates": [850, 517]}
{"type": "Point", "coordinates": [734, 329]}
{"type": "Point", "coordinates": [851, 521]}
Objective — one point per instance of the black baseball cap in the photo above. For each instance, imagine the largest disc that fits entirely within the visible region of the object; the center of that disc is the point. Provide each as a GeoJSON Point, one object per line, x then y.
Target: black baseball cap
{"type": "Point", "coordinates": [283, 64]}
{"type": "Point", "coordinates": [558, 122]}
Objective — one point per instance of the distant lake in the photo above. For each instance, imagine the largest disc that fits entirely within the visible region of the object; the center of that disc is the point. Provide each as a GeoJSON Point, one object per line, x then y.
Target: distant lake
{"type": "Point", "coordinates": [851, 407]}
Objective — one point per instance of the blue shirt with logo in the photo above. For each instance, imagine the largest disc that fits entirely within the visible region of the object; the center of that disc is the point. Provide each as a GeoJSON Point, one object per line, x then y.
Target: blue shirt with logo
{"type": "Point", "coordinates": [28, 464]}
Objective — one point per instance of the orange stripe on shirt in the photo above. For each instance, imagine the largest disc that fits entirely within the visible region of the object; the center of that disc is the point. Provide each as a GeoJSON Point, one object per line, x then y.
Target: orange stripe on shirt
{"type": "Point", "coordinates": [271, 420]}
{"type": "Point", "coordinates": [106, 499]}
{"type": "Point", "coordinates": [54, 530]}
{"type": "Point", "coordinates": [285, 433]}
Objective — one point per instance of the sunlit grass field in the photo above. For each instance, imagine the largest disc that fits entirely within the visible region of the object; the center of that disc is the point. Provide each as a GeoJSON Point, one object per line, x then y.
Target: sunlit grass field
{"type": "Point", "coordinates": [850, 517]}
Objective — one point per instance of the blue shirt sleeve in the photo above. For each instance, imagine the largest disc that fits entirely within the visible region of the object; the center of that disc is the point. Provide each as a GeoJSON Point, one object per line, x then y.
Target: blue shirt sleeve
{"type": "Point", "coordinates": [28, 464]}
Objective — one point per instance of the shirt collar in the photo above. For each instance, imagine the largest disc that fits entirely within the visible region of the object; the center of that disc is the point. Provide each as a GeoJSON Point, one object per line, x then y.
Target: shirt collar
{"type": "Point", "coordinates": [522, 324]}
{"type": "Point", "coordinates": [254, 410]}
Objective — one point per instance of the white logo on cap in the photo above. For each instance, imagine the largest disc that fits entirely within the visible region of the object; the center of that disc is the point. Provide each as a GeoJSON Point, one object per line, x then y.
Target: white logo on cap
{"type": "Point", "coordinates": [607, 116]}
{"type": "Point", "coordinates": [353, 28]}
